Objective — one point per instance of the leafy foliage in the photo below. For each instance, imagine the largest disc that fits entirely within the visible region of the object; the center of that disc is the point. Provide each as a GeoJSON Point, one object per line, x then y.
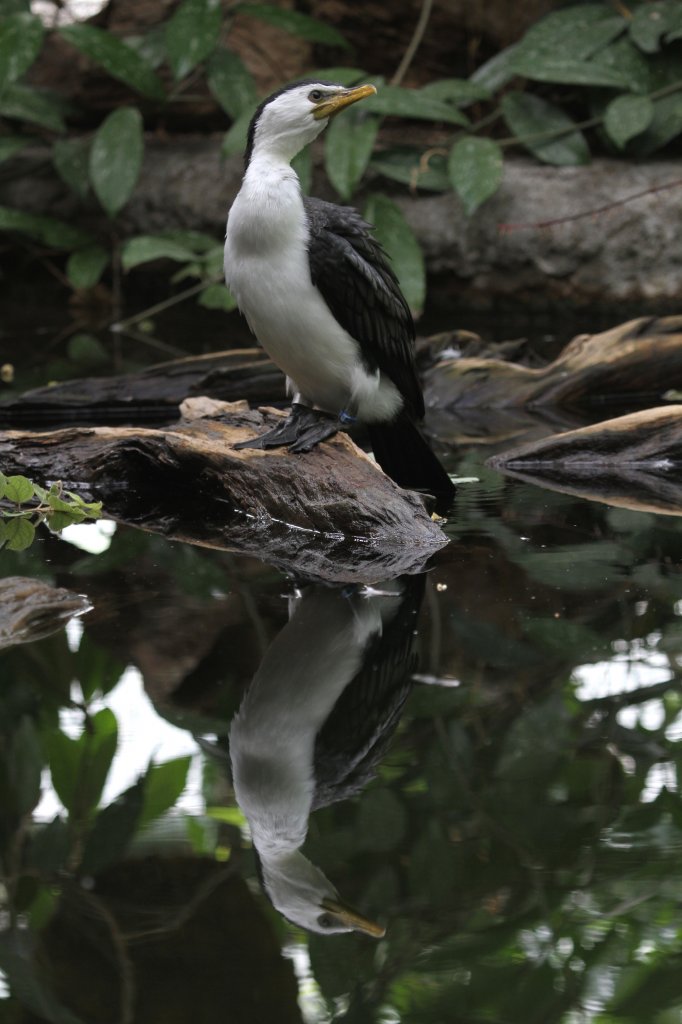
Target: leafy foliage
{"type": "Point", "coordinates": [587, 75]}
{"type": "Point", "coordinates": [24, 504]}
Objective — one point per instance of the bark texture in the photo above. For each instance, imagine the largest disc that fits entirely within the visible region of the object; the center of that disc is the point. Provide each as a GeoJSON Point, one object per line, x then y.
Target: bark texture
{"type": "Point", "coordinates": [331, 514]}
{"type": "Point", "coordinates": [631, 461]}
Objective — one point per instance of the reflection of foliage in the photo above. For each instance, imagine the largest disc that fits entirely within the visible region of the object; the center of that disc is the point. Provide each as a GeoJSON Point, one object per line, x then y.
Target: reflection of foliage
{"type": "Point", "coordinates": [519, 845]}
{"type": "Point", "coordinates": [24, 504]}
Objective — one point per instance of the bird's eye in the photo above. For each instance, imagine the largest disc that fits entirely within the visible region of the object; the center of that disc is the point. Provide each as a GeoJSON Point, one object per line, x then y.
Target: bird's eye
{"type": "Point", "coordinates": [316, 95]}
{"type": "Point", "coordinates": [326, 921]}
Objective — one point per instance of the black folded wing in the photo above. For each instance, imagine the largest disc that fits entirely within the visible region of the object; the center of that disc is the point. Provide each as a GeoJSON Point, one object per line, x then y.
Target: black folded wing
{"type": "Point", "coordinates": [352, 272]}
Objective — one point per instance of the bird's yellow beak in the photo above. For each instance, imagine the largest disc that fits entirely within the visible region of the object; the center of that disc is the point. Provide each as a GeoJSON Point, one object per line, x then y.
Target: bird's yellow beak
{"type": "Point", "coordinates": [344, 914]}
{"type": "Point", "coordinates": [331, 105]}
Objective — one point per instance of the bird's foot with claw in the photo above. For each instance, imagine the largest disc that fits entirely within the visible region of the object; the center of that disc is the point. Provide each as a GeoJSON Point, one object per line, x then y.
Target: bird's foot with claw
{"type": "Point", "coordinates": [285, 433]}
{"type": "Point", "coordinates": [319, 429]}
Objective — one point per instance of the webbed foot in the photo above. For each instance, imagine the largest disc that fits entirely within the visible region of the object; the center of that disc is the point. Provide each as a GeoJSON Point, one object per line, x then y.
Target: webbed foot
{"type": "Point", "coordinates": [285, 433]}
{"type": "Point", "coordinates": [323, 427]}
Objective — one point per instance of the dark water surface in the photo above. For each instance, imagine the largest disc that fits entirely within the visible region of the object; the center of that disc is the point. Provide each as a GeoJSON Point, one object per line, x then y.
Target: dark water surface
{"type": "Point", "coordinates": [481, 760]}
{"type": "Point", "coordinates": [487, 755]}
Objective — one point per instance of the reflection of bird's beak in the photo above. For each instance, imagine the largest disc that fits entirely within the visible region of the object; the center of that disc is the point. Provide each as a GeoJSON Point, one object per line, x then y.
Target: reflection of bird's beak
{"type": "Point", "coordinates": [350, 918]}
{"type": "Point", "coordinates": [333, 104]}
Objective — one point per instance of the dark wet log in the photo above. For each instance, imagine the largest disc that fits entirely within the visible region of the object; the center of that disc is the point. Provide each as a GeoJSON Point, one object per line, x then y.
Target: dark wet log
{"type": "Point", "coordinates": [31, 610]}
{"type": "Point", "coordinates": [631, 461]}
{"type": "Point", "coordinates": [331, 514]}
{"type": "Point", "coordinates": [634, 363]}
{"type": "Point", "coordinates": [155, 393]}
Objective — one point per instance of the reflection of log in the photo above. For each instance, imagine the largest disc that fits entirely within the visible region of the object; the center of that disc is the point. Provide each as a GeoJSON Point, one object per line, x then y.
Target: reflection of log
{"type": "Point", "coordinates": [631, 461]}
{"type": "Point", "coordinates": [153, 393]}
{"type": "Point", "coordinates": [331, 514]}
{"type": "Point", "coordinates": [31, 610]}
{"type": "Point", "coordinates": [633, 363]}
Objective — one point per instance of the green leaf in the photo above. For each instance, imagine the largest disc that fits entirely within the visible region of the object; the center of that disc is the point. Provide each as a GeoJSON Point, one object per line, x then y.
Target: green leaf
{"type": "Point", "coordinates": [19, 534]}
{"type": "Point", "coordinates": [459, 91]}
{"type": "Point", "coordinates": [533, 119]}
{"type": "Point", "coordinates": [344, 76]}
{"type": "Point", "coordinates": [235, 137]}
{"type": "Point", "coordinates": [192, 34]}
{"type": "Point", "coordinates": [552, 68]}
{"type": "Point", "coordinates": [628, 62]}
{"type": "Point", "coordinates": [408, 167]}
{"type": "Point", "coordinates": [116, 158]}
{"type": "Point", "coordinates": [651, 21]}
{"type": "Point", "coordinates": [497, 71]}
{"type": "Point", "coordinates": [71, 158]}
{"type": "Point", "coordinates": [18, 489]}
{"type": "Point", "coordinates": [25, 765]}
{"type": "Point", "coordinates": [95, 669]}
{"type": "Point", "coordinates": [303, 166]}
{"type": "Point", "coordinates": [21, 37]}
{"type": "Point", "coordinates": [86, 266]}
{"type": "Point", "coordinates": [398, 240]}
{"type": "Point", "coordinates": [9, 145]}
{"type": "Point", "coordinates": [116, 57]}
{"type": "Point", "coordinates": [348, 148]}
{"type": "Point", "coordinates": [475, 170]}
{"type": "Point", "coordinates": [666, 124]}
{"type": "Point", "coordinates": [163, 785]}
{"type": "Point", "coordinates": [80, 767]}
{"type": "Point", "coordinates": [113, 829]}
{"type": "Point", "coordinates": [414, 103]}
{"type": "Point", "coordinates": [59, 520]}
{"type": "Point", "coordinates": [146, 248]}
{"type": "Point", "coordinates": [576, 32]}
{"type": "Point", "coordinates": [627, 116]}
{"type": "Point", "coordinates": [217, 296]}
{"type": "Point", "coordinates": [49, 846]}
{"type": "Point", "coordinates": [151, 47]}
{"type": "Point", "coordinates": [27, 104]}
{"type": "Point", "coordinates": [89, 350]}
{"type": "Point", "coordinates": [231, 84]}
{"type": "Point", "coordinates": [297, 24]}
{"type": "Point", "coordinates": [48, 230]}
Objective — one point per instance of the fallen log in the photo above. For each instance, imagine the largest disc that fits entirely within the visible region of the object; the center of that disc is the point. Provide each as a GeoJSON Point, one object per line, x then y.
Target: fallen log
{"type": "Point", "coordinates": [631, 461]}
{"type": "Point", "coordinates": [635, 363]}
{"type": "Point", "coordinates": [31, 609]}
{"type": "Point", "coordinates": [329, 515]}
{"type": "Point", "coordinates": [154, 393]}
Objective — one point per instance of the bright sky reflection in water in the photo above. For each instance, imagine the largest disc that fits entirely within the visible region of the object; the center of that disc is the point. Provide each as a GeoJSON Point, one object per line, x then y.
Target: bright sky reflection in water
{"type": "Point", "coordinates": [143, 736]}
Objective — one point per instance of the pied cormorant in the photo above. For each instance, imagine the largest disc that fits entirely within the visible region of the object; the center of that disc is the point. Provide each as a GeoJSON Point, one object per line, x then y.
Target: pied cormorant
{"type": "Point", "coordinates": [322, 299]}
{"type": "Point", "coordinates": [317, 717]}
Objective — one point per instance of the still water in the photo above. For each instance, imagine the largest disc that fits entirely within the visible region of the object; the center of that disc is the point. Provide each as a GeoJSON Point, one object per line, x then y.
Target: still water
{"type": "Point", "coordinates": [480, 760]}
{"type": "Point", "coordinates": [215, 768]}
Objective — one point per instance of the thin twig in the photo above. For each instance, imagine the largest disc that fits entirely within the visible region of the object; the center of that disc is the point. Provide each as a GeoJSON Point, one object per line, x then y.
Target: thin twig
{"type": "Point", "coordinates": [413, 45]}
{"type": "Point", "coordinates": [122, 325]}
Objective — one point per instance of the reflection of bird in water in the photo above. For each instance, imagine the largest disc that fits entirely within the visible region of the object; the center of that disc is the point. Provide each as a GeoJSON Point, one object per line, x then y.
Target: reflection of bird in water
{"type": "Point", "coordinates": [316, 718]}
{"type": "Point", "coordinates": [322, 298]}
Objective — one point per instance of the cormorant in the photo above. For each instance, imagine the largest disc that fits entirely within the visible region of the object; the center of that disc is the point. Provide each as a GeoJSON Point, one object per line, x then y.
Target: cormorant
{"type": "Point", "coordinates": [322, 299]}
{"type": "Point", "coordinates": [316, 719]}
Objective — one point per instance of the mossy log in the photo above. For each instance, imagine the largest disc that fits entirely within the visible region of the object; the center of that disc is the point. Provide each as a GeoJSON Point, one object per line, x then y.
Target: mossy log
{"type": "Point", "coordinates": [632, 461]}
{"type": "Point", "coordinates": [635, 363]}
{"type": "Point", "coordinates": [330, 514]}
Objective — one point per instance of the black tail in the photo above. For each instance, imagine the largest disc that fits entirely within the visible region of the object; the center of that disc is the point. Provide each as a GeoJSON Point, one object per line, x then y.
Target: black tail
{"type": "Point", "coordinates": [404, 454]}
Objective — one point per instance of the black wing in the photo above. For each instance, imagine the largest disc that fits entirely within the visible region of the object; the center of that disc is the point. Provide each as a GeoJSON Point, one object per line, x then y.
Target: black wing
{"type": "Point", "coordinates": [353, 274]}
{"type": "Point", "coordinates": [356, 735]}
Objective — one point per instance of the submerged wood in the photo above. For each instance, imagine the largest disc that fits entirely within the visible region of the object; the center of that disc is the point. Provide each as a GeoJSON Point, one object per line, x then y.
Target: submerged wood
{"type": "Point", "coordinates": [330, 514]}
{"type": "Point", "coordinates": [636, 363]}
{"type": "Point", "coordinates": [155, 392]}
{"type": "Point", "coordinates": [31, 609]}
{"type": "Point", "coordinates": [632, 461]}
